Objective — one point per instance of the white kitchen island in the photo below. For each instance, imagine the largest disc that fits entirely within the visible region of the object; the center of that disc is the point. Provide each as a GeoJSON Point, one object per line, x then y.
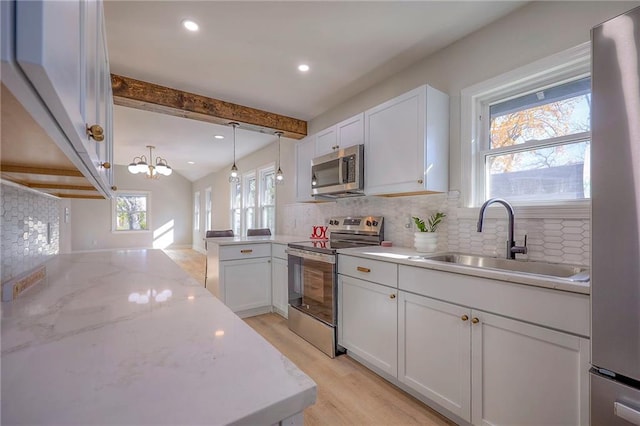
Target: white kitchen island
{"type": "Point", "coordinates": [127, 337]}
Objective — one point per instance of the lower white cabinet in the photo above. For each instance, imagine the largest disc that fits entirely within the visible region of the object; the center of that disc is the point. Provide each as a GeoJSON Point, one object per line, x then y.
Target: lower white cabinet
{"type": "Point", "coordinates": [279, 287]}
{"type": "Point", "coordinates": [246, 284]}
{"type": "Point", "coordinates": [367, 322]}
{"type": "Point", "coordinates": [491, 370]}
{"type": "Point", "coordinates": [527, 375]}
{"type": "Point", "coordinates": [434, 351]}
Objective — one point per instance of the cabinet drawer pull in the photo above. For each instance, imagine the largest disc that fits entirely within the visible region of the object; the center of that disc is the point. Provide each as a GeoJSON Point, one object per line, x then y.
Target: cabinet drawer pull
{"type": "Point", "coordinates": [95, 132]}
{"type": "Point", "coordinates": [363, 269]}
{"type": "Point", "coordinates": [392, 296]}
{"type": "Point", "coordinates": [105, 165]}
{"type": "Point", "coordinates": [475, 320]}
{"type": "Point", "coordinates": [246, 251]}
{"type": "Point", "coordinates": [464, 318]}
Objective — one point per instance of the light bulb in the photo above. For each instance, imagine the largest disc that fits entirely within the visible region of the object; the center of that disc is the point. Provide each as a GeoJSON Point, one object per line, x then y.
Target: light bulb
{"type": "Point", "coordinates": [133, 168]}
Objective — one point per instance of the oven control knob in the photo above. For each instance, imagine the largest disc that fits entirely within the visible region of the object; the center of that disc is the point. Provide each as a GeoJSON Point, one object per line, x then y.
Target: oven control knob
{"type": "Point", "coordinates": [375, 223]}
{"type": "Point", "coordinates": [368, 223]}
{"type": "Point", "coordinates": [331, 222]}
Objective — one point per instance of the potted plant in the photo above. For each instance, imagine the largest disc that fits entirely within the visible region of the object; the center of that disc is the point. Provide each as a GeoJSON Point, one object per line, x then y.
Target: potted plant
{"type": "Point", "coordinates": [426, 240]}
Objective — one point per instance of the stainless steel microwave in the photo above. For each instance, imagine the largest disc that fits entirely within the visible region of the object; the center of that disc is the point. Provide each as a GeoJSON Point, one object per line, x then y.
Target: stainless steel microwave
{"type": "Point", "coordinates": [339, 174]}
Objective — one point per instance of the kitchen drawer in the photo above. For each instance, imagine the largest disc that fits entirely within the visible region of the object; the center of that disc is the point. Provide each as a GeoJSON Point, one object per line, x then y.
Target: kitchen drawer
{"type": "Point", "coordinates": [278, 250]}
{"type": "Point", "coordinates": [367, 269]}
{"type": "Point", "coordinates": [244, 251]}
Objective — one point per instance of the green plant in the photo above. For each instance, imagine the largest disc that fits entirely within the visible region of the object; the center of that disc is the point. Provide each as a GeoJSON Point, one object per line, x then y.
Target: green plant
{"type": "Point", "coordinates": [432, 223]}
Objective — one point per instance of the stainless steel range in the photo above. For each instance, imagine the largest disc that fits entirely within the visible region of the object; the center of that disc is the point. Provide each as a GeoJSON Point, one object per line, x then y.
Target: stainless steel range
{"type": "Point", "coordinates": [313, 304]}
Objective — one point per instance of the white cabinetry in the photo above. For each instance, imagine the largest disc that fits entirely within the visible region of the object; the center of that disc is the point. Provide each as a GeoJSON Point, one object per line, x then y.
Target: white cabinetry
{"type": "Point", "coordinates": [368, 311]}
{"type": "Point", "coordinates": [347, 133]}
{"type": "Point", "coordinates": [240, 276]}
{"type": "Point", "coordinates": [407, 143]}
{"type": "Point", "coordinates": [527, 375]}
{"type": "Point", "coordinates": [367, 322]}
{"type": "Point", "coordinates": [305, 151]}
{"type": "Point", "coordinates": [279, 279]}
{"type": "Point", "coordinates": [61, 49]}
{"type": "Point", "coordinates": [434, 351]}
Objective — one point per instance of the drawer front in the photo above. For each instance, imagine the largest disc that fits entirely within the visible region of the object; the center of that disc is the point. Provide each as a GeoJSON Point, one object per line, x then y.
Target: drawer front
{"type": "Point", "coordinates": [278, 250]}
{"type": "Point", "coordinates": [244, 251]}
{"type": "Point", "coordinates": [371, 270]}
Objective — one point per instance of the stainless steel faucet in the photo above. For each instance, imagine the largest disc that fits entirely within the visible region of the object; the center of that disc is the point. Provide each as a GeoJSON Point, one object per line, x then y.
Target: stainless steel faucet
{"type": "Point", "coordinates": [512, 248]}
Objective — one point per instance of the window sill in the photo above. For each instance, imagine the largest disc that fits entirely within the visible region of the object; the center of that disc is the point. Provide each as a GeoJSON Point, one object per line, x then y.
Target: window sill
{"type": "Point", "coordinates": [141, 231]}
{"type": "Point", "coordinates": [574, 210]}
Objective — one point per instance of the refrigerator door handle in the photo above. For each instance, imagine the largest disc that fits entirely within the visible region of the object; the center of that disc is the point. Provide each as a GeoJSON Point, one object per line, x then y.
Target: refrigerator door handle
{"type": "Point", "coordinates": [627, 413]}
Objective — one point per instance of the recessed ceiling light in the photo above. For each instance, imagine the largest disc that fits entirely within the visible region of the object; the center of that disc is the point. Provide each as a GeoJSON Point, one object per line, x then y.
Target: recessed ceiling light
{"type": "Point", "coordinates": [303, 67]}
{"type": "Point", "coordinates": [190, 25]}
{"type": "Point", "coordinates": [190, 162]}
{"type": "Point", "coordinates": [219, 137]}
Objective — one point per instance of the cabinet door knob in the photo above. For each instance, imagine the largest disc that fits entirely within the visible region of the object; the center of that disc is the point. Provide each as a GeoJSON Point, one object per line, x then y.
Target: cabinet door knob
{"type": "Point", "coordinates": [392, 296]}
{"type": "Point", "coordinates": [246, 251]}
{"type": "Point", "coordinates": [95, 132]}
{"type": "Point", "coordinates": [464, 318]}
{"type": "Point", "coordinates": [475, 320]}
{"type": "Point", "coordinates": [114, 188]}
{"type": "Point", "coordinates": [106, 165]}
{"type": "Point", "coordinates": [420, 181]}
{"type": "Point", "coordinates": [362, 269]}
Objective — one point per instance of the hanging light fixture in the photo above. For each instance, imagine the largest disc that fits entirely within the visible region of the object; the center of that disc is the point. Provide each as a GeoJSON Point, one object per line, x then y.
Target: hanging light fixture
{"type": "Point", "coordinates": [234, 176]}
{"type": "Point", "coordinates": [279, 174]}
{"type": "Point", "coordinates": [153, 171]}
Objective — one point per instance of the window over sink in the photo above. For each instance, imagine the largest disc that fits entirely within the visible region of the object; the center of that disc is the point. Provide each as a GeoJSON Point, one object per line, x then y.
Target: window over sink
{"type": "Point", "coordinates": [526, 134]}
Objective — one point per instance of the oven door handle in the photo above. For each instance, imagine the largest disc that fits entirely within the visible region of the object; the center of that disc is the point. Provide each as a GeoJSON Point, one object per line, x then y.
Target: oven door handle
{"type": "Point", "coordinates": [320, 257]}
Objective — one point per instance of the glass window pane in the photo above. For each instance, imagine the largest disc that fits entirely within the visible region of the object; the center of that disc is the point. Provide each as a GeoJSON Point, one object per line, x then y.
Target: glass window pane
{"type": "Point", "coordinates": [269, 190]}
{"type": "Point", "coordinates": [131, 214]}
{"type": "Point", "coordinates": [250, 217]}
{"type": "Point", "coordinates": [236, 221]}
{"type": "Point", "coordinates": [269, 218]}
{"type": "Point", "coordinates": [558, 172]}
{"type": "Point", "coordinates": [557, 111]}
{"type": "Point", "coordinates": [251, 192]}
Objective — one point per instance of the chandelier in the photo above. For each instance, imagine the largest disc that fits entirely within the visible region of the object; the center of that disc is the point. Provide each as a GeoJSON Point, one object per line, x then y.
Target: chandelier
{"type": "Point", "coordinates": [153, 171]}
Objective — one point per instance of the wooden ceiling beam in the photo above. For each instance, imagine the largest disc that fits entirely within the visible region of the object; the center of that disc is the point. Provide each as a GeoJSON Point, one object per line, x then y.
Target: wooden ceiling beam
{"type": "Point", "coordinates": [7, 168]}
{"type": "Point", "coordinates": [152, 97]}
{"type": "Point", "coordinates": [61, 186]}
{"type": "Point", "coordinates": [89, 197]}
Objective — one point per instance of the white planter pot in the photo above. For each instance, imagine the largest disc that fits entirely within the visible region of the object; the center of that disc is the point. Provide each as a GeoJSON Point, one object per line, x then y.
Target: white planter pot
{"type": "Point", "coordinates": [425, 242]}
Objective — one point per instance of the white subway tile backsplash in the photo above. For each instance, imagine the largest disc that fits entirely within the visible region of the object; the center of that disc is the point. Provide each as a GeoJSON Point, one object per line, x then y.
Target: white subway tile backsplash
{"type": "Point", "coordinates": [551, 240]}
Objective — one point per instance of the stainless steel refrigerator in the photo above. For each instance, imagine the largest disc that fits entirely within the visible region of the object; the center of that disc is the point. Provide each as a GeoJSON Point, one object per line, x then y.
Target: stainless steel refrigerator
{"type": "Point", "coordinates": [615, 238]}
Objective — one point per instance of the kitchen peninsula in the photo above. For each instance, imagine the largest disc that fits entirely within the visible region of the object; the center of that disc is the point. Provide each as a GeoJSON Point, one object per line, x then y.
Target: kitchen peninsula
{"type": "Point", "coordinates": [126, 337]}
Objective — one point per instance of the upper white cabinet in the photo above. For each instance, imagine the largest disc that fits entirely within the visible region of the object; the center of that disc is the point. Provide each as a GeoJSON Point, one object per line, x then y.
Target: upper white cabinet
{"type": "Point", "coordinates": [61, 49]}
{"type": "Point", "coordinates": [407, 144]}
{"type": "Point", "coordinates": [326, 141]}
{"type": "Point", "coordinates": [305, 151]}
{"type": "Point", "coordinates": [344, 134]}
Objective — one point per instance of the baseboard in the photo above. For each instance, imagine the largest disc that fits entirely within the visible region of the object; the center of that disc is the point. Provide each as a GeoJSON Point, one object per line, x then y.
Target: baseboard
{"type": "Point", "coordinates": [198, 249]}
{"type": "Point", "coordinates": [253, 312]}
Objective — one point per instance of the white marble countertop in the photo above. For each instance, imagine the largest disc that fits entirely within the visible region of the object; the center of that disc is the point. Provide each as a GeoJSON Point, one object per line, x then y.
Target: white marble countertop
{"type": "Point", "coordinates": [280, 239]}
{"type": "Point", "coordinates": [127, 337]}
{"type": "Point", "coordinates": [401, 255]}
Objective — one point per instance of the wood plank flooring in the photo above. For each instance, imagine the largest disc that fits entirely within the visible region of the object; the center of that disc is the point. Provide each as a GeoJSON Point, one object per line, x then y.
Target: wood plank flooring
{"type": "Point", "coordinates": [348, 393]}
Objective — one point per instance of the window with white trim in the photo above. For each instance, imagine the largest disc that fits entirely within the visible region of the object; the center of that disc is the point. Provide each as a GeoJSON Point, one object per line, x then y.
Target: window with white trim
{"type": "Point", "coordinates": [529, 133]}
{"type": "Point", "coordinates": [207, 208]}
{"type": "Point", "coordinates": [267, 199]}
{"type": "Point", "coordinates": [253, 202]}
{"type": "Point", "coordinates": [236, 207]}
{"type": "Point", "coordinates": [196, 211]}
{"type": "Point", "coordinates": [131, 211]}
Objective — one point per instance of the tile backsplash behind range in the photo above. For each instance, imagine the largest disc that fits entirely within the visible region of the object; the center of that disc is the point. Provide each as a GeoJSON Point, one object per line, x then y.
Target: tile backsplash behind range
{"type": "Point", "coordinates": [29, 228]}
{"type": "Point", "coordinates": [551, 240]}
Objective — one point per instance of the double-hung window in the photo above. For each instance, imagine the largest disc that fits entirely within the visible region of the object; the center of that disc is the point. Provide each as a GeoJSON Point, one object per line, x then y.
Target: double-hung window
{"type": "Point", "coordinates": [196, 211]}
{"type": "Point", "coordinates": [131, 211]}
{"type": "Point", "coordinates": [207, 208]}
{"type": "Point", "coordinates": [253, 201]}
{"type": "Point", "coordinates": [528, 133]}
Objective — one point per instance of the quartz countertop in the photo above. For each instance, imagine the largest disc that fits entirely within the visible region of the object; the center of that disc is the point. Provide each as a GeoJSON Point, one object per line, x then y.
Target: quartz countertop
{"type": "Point", "coordinates": [401, 255]}
{"type": "Point", "coordinates": [127, 337]}
{"type": "Point", "coordinates": [279, 239]}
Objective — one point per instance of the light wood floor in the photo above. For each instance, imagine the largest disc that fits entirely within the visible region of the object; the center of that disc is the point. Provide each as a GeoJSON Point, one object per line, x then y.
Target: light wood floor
{"type": "Point", "coordinates": [348, 393]}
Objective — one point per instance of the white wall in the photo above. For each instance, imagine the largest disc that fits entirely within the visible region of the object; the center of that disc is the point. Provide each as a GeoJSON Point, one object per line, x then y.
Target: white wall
{"type": "Point", "coordinates": [170, 210]}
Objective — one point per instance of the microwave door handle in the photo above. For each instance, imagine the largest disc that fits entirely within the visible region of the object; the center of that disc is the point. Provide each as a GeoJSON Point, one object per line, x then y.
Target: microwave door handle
{"type": "Point", "coordinates": [344, 170]}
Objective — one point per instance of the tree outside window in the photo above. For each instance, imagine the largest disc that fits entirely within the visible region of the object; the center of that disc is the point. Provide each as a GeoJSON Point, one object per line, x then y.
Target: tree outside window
{"type": "Point", "coordinates": [131, 212]}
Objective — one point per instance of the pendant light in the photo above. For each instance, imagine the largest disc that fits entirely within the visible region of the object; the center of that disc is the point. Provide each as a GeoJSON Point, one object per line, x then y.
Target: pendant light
{"type": "Point", "coordinates": [279, 174]}
{"type": "Point", "coordinates": [234, 175]}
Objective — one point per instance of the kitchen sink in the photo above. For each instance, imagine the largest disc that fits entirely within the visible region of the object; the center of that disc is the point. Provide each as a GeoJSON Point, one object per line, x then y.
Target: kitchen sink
{"type": "Point", "coordinates": [542, 269]}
